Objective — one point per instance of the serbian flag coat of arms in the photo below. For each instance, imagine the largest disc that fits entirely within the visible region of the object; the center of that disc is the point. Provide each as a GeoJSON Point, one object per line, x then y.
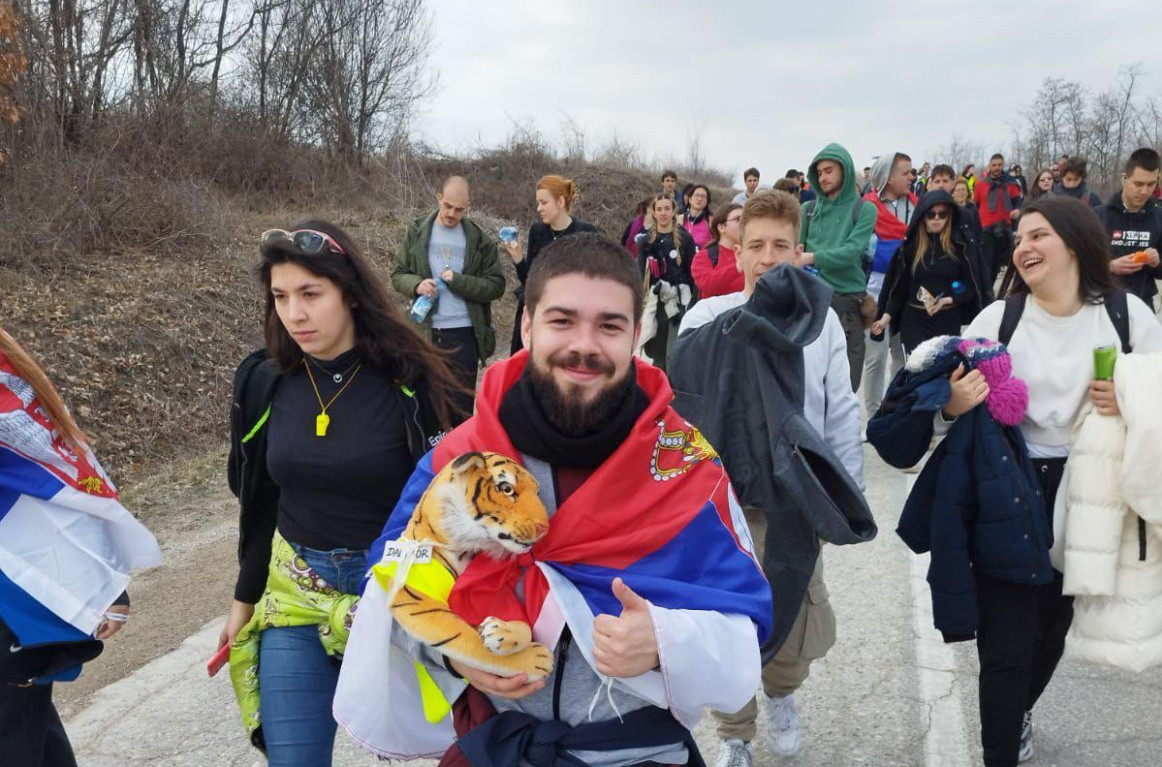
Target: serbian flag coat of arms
{"type": "Point", "coordinates": [67, 544]}
{"type": "Point", "coordinates": [658, 513]}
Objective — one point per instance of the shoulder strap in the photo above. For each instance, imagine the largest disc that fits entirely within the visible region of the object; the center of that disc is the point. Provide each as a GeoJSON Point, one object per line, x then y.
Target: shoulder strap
{"type": "Point", "coordinates": [859, 201]}
{"type": "Point", "coordinates": [1014, 308]}
{"type": "Point", "coordinates": [712, 254]}
{"type": "Point", "coordinates": [1119, 310]}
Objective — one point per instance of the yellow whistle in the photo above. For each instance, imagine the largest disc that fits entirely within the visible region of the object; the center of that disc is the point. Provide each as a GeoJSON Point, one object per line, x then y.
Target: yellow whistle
{"type": "Point", "coordinates": [322, 421]}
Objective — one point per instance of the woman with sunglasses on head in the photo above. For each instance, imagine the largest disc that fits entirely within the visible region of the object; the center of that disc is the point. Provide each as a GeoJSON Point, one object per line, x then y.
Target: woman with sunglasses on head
{"type": "Point", "coordinates": [555, 198]}
{"type": "Point", "coordinates": [931, 288]}
{"type": "Point", "coordinates": [329, 419]}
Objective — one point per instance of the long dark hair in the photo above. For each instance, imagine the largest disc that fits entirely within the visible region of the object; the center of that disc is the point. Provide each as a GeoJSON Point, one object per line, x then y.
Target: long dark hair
{"type": "Point", "coordinates": [1084, 235]}
{"type": "Point", "coordinates": [384, 337]}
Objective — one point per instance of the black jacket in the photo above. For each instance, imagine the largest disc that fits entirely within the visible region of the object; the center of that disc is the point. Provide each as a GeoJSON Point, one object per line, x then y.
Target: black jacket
{"type": "Point", "coordinates": [977, 504]}
{"type": "Point", "coordinates": [1080, 192]}
{"type": "Point", "coordinates": [1131, 232]}
{"type": "Point", "coordinates": [895, 294]}
{"type": "Point", "coordinates": [740, 380]}
{"type": "Point", "coordinates": [255, 382]}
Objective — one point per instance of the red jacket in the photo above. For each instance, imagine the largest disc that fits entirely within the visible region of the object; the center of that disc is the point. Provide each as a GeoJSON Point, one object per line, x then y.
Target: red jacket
{"type": "Point", "coordinates": [716, 280]}
{"type": "Point", "coordinates": [1001, 204]}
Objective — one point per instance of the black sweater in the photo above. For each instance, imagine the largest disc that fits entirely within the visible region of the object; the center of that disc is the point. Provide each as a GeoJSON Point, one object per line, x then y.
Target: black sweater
{"type": "Point", "coordinates": [339, 488]}
{"type": "Point", "coordinates": [540, 235]}
{"type": "Point", "coordinates": [337, 491]}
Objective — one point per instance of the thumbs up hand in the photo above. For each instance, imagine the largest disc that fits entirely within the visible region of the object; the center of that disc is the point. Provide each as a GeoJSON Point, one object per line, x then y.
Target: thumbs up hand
{"type": "Point", "coordinates": [626, 645]}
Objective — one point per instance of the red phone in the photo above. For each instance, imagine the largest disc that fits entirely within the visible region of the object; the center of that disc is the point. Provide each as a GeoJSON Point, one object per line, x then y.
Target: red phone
{"type": "Point", "coordinates": [220, 659]}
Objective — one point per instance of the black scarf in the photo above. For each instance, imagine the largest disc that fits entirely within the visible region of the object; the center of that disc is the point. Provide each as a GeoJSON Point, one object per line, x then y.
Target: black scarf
{"type": "Point", "coordinates": [533, 434]}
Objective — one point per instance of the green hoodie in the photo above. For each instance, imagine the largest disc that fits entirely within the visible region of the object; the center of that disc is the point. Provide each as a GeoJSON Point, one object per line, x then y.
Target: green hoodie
{"type": "Point", "coordinates": [829, 233]}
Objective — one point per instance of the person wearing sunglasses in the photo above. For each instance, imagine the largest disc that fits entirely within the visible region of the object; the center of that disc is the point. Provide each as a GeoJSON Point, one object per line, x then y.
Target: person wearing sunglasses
{"type": "Point", "coordinates": [931, 288]}
{"type": "Point", "coordinates": [447, 256]}
{"type": "Point", "coordinates": [328, 422]}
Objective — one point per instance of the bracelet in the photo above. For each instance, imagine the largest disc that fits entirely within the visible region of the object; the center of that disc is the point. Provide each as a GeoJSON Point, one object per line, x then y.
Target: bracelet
{"type": "Point", "coordinates": [117, 617]}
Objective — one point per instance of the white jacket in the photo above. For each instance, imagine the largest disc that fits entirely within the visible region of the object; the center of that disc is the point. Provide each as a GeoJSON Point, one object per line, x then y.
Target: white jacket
{"type": "Point", "coordinates": [1112, 479]}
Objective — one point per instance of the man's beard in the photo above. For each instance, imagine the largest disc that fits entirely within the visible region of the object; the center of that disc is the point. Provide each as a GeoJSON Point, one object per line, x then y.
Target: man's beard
{"type": "Point", "coordinates": [562, 408]}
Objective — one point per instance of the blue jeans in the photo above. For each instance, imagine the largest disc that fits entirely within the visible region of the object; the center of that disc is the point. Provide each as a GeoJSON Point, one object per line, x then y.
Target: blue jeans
{"type": "Point", "coordinates": [297, 679]}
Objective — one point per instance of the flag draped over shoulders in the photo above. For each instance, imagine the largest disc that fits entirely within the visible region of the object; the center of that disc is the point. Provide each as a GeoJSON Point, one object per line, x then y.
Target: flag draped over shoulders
{"type": "Point", "coordinates": [67, 544]}
{"type": "Point", "coordinates": [656, 513]}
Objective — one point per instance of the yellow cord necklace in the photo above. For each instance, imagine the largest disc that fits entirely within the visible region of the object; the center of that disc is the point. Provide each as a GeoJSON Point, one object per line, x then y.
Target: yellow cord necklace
{"type": "Point", "coordinates": [322, 420]}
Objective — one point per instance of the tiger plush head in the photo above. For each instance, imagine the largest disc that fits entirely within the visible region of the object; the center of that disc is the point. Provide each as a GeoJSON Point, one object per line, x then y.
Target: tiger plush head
{"type": "Point", "coordinates": [488, 502]}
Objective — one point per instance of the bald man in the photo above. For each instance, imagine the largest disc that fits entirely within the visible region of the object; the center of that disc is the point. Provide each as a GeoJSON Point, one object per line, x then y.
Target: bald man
{"type": "Point", "coordinates": [448, 256]}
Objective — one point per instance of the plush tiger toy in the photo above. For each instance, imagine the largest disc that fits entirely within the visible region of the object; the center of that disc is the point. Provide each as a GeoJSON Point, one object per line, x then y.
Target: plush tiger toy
{"type": "Point", "coordinates": [479, 502]}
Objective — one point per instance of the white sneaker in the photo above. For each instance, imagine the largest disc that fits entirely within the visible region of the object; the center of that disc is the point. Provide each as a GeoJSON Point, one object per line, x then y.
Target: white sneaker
{"type": "Point", "coordinates": [1026, 752]}
{"type": "Point", "coordinates": [734, 753]}
{"type": "Point", "coordinates": [784, 736]}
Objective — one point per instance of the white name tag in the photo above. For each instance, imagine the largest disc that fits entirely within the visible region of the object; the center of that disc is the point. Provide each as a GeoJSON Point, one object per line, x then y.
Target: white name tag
{"type": "Point", "coordinates": [395, 552]}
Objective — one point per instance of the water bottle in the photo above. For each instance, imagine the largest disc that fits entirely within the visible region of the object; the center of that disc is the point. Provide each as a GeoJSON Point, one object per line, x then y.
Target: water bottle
{"type": "Point", "coordinates": [811, 270]}
{"type": "Point", "coordinates": [421, 307]}
{"type": "Point", "coordinates": [957, 287]}
{"type": "Point", "coordinates": [508, 234]}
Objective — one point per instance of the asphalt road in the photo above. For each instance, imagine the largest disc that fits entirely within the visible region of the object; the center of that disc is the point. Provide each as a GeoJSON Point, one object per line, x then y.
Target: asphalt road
{"type": "Point", "coordinates": [889, 694]}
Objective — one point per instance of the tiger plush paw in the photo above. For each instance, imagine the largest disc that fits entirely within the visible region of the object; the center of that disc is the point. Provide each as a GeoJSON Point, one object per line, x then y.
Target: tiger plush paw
{"type": "Point", "coordinates": [505, 637]}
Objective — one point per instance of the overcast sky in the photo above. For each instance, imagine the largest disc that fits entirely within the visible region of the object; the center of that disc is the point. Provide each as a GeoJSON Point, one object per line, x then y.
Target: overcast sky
{"type": "Point", "coordinates": [770, 82]}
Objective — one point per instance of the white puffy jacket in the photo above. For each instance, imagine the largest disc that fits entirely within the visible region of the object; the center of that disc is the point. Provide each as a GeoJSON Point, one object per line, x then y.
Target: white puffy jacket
{"type": "Point", "coordinates": [1113, 478]}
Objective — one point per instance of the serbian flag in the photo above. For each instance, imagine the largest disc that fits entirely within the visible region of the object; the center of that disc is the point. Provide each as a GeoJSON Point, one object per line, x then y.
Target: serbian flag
{"type": "Point", "coordinates": [66, 543]}
{"type": "Point", "coordinates": [890, 232]}
{"type": "Point", "coordinates": [658, 513]}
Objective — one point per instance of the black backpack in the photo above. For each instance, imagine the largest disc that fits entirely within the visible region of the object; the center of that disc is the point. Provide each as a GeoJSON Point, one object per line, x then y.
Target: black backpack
{"type": "Point", "coordinates": [1115, 303]}
{"type": "Point", "coordinates": [1118, 308]}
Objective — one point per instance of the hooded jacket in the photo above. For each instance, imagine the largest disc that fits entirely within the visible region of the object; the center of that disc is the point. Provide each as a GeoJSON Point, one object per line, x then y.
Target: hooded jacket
{"type": "Point", "coordinates": [895, 294]}
{"type": "Point", "coordinates": [1079, 192]}
{"type": "Point", "coordinates": [977, 505]}
{"type": "Point", "coordinates": [1130, 232]}
{"type": "Point", "coordinates": [889, 228]}
{"type": "Point", "coordinates": [828, 230]}
{"type": "Point", "coordinates": [740, 380]}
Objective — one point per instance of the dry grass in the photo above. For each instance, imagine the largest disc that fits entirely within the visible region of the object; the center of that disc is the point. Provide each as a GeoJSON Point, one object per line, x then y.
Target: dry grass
{"type": "Point", "coordinates": [135, 289]}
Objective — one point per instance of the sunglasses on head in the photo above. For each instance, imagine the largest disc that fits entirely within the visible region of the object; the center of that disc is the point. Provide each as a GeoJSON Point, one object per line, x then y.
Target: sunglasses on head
{"type": "Point", "coordinates": [935, 214]}
{"type": "Point", "coordinates": [309, 241]}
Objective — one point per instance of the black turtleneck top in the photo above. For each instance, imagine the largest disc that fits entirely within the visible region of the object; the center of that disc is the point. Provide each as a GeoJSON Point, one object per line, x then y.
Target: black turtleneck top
{"type": "Point", "coordinates": [337, 491]}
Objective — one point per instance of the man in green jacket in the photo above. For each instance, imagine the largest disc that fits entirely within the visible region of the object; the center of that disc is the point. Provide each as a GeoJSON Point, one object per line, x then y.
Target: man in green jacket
{"type": "Point", "coordinates": [834, 238]}
{"type": "Point", "coordinates": [447, 256]}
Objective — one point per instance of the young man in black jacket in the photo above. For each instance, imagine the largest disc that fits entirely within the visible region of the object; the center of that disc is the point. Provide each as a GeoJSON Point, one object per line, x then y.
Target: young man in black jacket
{"type": "Point", "coordinates": [1133, 220]}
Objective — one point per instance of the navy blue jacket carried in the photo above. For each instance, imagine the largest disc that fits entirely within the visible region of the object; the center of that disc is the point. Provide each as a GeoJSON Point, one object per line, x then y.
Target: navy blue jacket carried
{"type": "Point", "coordinates": [977, 504]}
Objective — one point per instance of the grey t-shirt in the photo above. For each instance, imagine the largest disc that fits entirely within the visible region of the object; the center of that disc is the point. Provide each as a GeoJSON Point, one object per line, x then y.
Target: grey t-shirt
{"type": "Point", "coordinates": [446, 251]}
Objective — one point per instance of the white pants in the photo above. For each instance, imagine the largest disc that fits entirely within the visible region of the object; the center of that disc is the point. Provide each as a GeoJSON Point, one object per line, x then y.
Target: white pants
{"type": "Point", "coordinates": [876, 371]}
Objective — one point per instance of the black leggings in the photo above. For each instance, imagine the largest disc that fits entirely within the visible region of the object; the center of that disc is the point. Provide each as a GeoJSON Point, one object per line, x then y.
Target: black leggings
{"type": "Point", "coordinates": [1020, 639]}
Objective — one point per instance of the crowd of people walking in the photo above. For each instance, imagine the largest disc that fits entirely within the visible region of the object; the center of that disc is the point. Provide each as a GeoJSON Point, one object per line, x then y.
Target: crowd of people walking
{"type": "Point", "coordinates": [685, 403]}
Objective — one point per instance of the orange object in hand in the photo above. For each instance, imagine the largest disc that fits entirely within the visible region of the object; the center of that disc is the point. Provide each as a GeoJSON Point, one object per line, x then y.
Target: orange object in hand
{"type": "Point", "coordinates": [1140, 257]}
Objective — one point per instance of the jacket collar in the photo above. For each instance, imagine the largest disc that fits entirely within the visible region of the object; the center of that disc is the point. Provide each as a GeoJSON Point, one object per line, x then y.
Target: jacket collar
{"type": "Point", "coordinates": [785, 313]}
